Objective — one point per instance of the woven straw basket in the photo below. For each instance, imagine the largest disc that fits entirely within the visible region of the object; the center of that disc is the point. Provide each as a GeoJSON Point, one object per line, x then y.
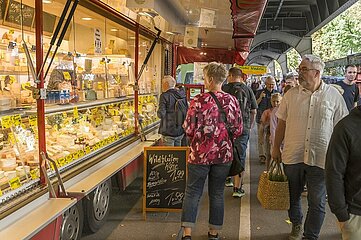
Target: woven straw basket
{"type": "Point", "coordinates": [273, 195]}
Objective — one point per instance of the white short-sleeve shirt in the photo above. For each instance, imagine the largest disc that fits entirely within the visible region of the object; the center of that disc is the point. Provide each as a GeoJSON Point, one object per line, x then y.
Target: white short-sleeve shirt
{"type": "Point", "coordinates": [310, 118]}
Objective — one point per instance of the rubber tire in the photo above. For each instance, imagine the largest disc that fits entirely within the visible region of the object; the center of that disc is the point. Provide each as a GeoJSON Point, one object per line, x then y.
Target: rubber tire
{"type": "Point", "coordinates": [91, 224]}
{"type": "Point", "coordinates": [79, 207]}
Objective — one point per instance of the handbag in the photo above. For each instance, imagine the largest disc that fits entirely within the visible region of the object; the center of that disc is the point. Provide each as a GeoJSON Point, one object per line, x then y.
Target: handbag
{"type": "Point", "coordinates": [273, 191]}
{"type": "Point", "coordinates": [236, 166]}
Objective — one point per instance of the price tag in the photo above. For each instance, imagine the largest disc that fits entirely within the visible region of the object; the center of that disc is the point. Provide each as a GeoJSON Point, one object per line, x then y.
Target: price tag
{"type": "Point", "coordinates": [75, 156]}
{"type": "Point", "coordinates": [16, 120]}
{"type": "Point", "coordinates": [1, 193]}
{"type": "Point", "coordinates": [61, 161]}
{"type": "Point", "coordinates": [81, 153]}
{"type": "Point", "coordinates": [75, 113]}
{"type": "Point", "coordinates": [98, 121]}
{"type": "Point", "coordinates": [65, 115]}
{"type": "Point", "coordinates": [67, 76]}
{"type": "Point", "coordinates": [33, 121]}
{"type": "Point", "coordinates": [69, 158]}
{"type": "Point", "coordinates": [12, 138]}
{"type": "Point", "coordinates": [15, 183]}
{"type": "Point", "coordinates": [26, 86]}
{"type": "Point", "coordinates": [34, 174]}
{"type": "Point", "coordinates": [88, 149]}
{"type": "Point", "coordinates": [6, 122]}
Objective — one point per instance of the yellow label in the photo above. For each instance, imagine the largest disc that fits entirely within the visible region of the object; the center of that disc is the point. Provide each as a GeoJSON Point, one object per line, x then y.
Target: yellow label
{"type": "Point", "coordinates": [33, 121]}
{"type": "Point", "coordinates": [6, 122]}
{"type": "Point", "coordinates": [75, 156]}
{"type": "Point", "coordinates": [98, 121]}
{"type": "Point", "coordinates": [67, 76]}
{"type": "Point", "coordinates": [69, 158]}
{"type": "Point", "coordinates": [253, 69]}
{"type": "Point", "coordinates": [75, 113]}
{"type": "Point", "coordinates": [11, 31]}
{"type": "Point", "coordinates": [12, 138]}
{"type": "Point", "coordinates": [1, 193]}
{"type": "Point", "coordinates": [34, 174]}
{"type": "Point", "coordinates": [61, 161]}
{"type": "Point", "coordinates": [88, 149]}
{"type": "Point", "coordinates": [65, 115]}
{"type": "Point", "coordinates": [15, 183]}
{"type": "Point", "coordinates": [81, 153]}
{"type": "Point", "coordinates": [16, 120]}
{"type": "Point", "coordinates": [25, 86]}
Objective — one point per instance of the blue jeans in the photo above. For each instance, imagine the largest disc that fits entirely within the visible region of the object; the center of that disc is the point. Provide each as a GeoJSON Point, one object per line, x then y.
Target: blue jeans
{"type": "Point", "coordinates": [197, 175]}
{"type": "Point", "coordinates": [314, 177]}
{"type": "Point", "coordinates": [241, 144]}
{"type": "Point", "coordinates": [172, 141]}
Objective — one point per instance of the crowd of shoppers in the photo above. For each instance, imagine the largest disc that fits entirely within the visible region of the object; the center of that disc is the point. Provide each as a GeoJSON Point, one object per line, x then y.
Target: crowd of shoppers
{"type": "Point", "coordinates": [305, 124]}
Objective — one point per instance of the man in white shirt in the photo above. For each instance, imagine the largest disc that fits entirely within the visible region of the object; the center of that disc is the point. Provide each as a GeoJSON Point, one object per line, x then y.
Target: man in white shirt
{"type": "Point", "coordinates": [307, 115]}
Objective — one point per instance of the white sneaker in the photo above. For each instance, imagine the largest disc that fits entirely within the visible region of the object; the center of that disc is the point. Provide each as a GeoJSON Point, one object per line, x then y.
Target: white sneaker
{"type": "Point", "coordinates": [229, 182]}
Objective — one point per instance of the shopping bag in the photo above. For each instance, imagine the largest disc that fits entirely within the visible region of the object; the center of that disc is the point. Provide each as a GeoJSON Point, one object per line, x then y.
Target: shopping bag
{"type": "Point", "coordinates": [273, 191]}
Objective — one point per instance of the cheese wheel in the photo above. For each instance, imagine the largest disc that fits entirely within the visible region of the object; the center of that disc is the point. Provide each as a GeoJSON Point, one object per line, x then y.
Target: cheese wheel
{"type": "Point", "coordinates": [10, 168]}
{"type": "Point", "coordinates": [7, 162]}
{"type": "Point", "coordinates": [10, 174]}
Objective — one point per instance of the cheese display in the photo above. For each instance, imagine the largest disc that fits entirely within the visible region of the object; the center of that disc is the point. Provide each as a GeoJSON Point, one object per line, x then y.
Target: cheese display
{"type": "Point", "coordinates": [70, 135]}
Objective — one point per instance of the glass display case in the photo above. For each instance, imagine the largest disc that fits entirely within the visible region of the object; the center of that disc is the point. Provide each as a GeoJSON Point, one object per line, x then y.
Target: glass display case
{"type": "Point", "coordinates": [89, 105]}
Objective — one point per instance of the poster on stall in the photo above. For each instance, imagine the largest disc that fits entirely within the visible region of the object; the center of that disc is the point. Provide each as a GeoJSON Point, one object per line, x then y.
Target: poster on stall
{"type": "Point", "coordinates": [97, 41]}
{"type": "Point", "coordinates": [198, 72]}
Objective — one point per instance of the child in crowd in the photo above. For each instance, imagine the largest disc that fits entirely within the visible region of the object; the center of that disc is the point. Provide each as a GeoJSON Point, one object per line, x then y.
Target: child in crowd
{"type": "Point", "coordinates": [269, 118]}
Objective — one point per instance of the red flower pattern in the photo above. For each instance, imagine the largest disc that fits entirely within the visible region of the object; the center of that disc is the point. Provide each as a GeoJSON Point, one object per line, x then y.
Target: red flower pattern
{"type": "Point", "coordinates": [208, 135]}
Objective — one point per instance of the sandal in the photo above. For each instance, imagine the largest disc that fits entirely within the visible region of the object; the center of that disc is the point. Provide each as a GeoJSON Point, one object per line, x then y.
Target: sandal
{"type": "Point", "coordinates": [213, 237]}
{"type": "Point", "coordinates": [187, 238]}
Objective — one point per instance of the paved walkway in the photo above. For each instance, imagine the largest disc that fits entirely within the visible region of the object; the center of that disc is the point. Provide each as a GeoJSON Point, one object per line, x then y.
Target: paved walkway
{"type": "Point", "coordinates": [244, 218]}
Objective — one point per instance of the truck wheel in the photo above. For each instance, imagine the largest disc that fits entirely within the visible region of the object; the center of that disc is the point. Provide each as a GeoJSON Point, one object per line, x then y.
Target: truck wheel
{"type": "Point", "coordinates": [72, 225]}
{"type": "Point", "coordinates": [96, 207]}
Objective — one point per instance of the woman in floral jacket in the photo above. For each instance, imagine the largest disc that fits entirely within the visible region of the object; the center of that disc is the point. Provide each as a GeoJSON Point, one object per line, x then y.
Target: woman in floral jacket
{"type": "Point", "coordinates": [211, 150]}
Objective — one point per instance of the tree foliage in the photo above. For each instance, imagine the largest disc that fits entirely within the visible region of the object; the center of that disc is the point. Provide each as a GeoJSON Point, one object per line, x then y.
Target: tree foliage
{"type": "Point", "coordinates": [340, 37]}
{"type": "Point", "coordinates": [293, 60]}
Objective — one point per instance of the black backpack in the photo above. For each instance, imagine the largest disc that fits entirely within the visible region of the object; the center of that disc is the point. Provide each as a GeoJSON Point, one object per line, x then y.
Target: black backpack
{"type": "Point", "coordinates": [243, 98]}
{"type": "Point", "coordinates": [180, 111]}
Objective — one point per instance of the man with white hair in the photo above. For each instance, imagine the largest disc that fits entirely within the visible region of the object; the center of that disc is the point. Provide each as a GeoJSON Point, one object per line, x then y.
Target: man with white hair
{"type": "Point", "coordinates": [172, 111]}
{"type": "Point", "coordinates": [306, 117]}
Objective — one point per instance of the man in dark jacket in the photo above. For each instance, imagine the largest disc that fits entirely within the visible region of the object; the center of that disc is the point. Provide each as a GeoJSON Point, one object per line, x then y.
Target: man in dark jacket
{"type": "Point", "coordinates": [172, 110]}
{"type": "Point", "coordinates": [343, 174]}
{"type": "Point", "coordinates": [247, 101]}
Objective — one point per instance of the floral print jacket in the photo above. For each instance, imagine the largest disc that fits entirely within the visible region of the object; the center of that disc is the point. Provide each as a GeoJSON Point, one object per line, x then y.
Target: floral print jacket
{"type": "Point", "coordinates": [208, 135]}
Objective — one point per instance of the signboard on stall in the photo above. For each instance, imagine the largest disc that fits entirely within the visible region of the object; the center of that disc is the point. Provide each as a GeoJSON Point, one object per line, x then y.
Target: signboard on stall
{"type": "Point", "coordinates": [97, 41]}
{"type": "Point", "coordinates": [164, 178]}
{"type": "Point", "coordinates": [253, 69]}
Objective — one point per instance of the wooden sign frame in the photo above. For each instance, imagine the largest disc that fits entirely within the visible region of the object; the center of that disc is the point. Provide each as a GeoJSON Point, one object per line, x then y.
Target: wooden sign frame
{"type": "Point", "coordinates": [145, 175]}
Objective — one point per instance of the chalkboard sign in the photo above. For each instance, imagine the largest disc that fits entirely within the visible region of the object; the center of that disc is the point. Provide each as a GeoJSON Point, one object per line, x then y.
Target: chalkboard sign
{"type": "Point", "coordinates": [13, 14]}
{"type": "Point", "coordinates": [164, 179]}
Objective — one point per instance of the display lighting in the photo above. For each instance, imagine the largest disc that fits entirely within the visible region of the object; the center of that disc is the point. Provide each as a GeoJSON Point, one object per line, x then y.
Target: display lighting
{"type": "Point", "coordinates": [47, 1]}
{"type": "Point", "coordinates": [114, 30]}
{"type": "Point", "coordinates": [203, 53]}
{"type": "Point", "coordinates": [86, 18]}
